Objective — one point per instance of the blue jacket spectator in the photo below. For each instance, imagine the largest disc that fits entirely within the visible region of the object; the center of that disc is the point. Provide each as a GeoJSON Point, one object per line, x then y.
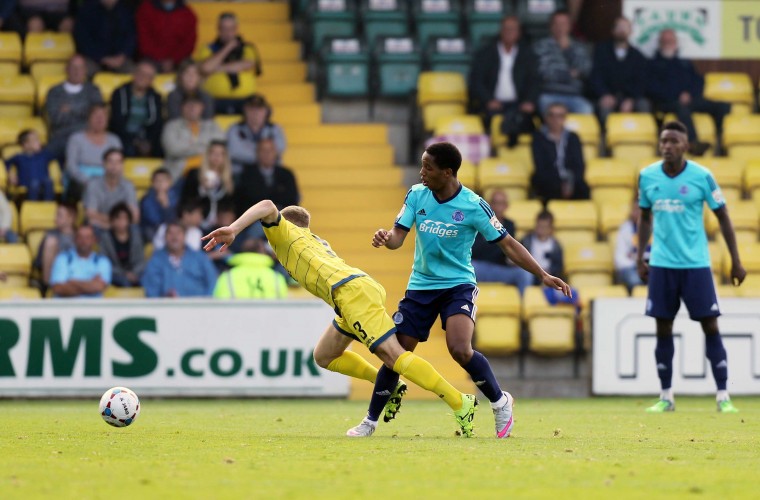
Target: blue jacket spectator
{"type": "Point", "coordinates": [81, 272]}
{"type": "Point", "coordinates": [32, 167]}
{"type": "Point", "coordinates": [177, 271]}
{"type": "Point", "coordinates": [105, 34]}
{"type": "Point", "coordinates": [159, 205]}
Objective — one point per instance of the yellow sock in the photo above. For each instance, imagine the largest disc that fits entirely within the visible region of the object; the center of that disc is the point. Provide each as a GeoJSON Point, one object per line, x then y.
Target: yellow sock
{"type": "Point", "coordinates": [424, 375]}
{"type": "Point", "coordinates": [351, 364]}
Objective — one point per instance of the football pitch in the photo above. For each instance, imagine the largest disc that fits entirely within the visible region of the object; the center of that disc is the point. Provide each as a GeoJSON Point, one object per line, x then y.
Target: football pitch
{"type": "Point", "coordinates": [591, 448]}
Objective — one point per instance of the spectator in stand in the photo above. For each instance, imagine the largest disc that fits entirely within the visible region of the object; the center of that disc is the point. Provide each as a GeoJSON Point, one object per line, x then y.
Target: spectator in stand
{"type": "Point", "coordinates": [675, 87]}
{"type": "Point", "coordinates": [85, 151]}
{"type": "Point", "coordinates": [230, 65]}
{"type": "Point", "coordinates": [177, 270]}
{"type": "Point", "coordinates": [266, 180]}
{"type": "Point", "coordinates": [243, 137]}
{"type": "Point", "coordinates": [103, 193]}
{"type": "Point", "coordinates": [6, 233]}
{"type": "Point", "coordinates": [618, 78]}
{"type": "Point", "coordinates": [36, 16]}
{"type": "Point", "coordinates": [166, 32]}
{"type": "Point", "coordinates": [123, 246]}
{"type": "Point", "coordinates": [252, 275]}
{"type": "Point", "coordinates": [159, 205]}
{"type": "Point", "coordinates": [489, 261]}
{"type": "Point", "coordinates": [190, 218]}
{"type": "Point", "coordinates": [31, 167]}
{"type": "Point", "coordinates": [544, 247]}
{"type": "Point", "coordinates": [211, 184]}
{"type": "Point", "coordinates": [105, 34]}
{"type": "Point", "coordinates": [55, 241]}
{"type": "Point", "coordinates": [626, 246]}
{"type": "Point", "coordinates": [503, 81]}
{"type": "Point", "coordinates": [559, 169]}
{"type": "Point", "coordinates": [185, 139]}
{"type": "Point", "coordinates": [81, 272]}
{"type": "Point", "coordinates": [188, 84]}
{"type": "Point", "coordinates": [563, 65]}
{"type": "Point", "coordinates": [136, 113]}
{"type": "Point", "coordinates": [68, 105]}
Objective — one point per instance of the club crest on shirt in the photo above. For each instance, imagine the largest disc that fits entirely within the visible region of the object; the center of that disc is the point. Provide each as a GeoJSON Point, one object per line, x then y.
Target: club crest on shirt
{"type": "Point", "coordinates": [684, 190]}
{"type": "Point", "coordinates": [458, 216]}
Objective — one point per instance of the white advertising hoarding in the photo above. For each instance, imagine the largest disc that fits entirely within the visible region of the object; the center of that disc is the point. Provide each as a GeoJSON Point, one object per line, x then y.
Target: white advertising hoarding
{"type": "Point", "coordinates": [624, 340]}
{"type": "Point", "coordinates": [183, 347]}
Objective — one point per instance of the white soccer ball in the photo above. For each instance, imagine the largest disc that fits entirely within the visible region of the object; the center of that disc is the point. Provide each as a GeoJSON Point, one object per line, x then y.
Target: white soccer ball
{"type": "Point", "coordinates": [119, 406]}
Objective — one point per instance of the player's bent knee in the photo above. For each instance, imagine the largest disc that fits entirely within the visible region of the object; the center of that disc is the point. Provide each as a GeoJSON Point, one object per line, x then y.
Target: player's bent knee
{"type": "Point", "coordinates": [322, 359]}
{"type": "Point", "coordinates": [461, 353]}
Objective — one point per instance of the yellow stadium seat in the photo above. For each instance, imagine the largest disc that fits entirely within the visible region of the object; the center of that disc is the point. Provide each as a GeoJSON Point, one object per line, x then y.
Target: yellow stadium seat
{"type": "Point", "coordinates": [605, 195]}
{"type": "Point", "coordinates": [750, 287]}
{"type": "Point", "coordinates": [434, 111]}
{"type": "Point", "coordinates": [495, 172]}
{"type": "Point", "coordinates": [574, 216]}
{"type": "Point", "coordinates": [140, 170]}
{"type": "Point", "coordinates": [283, 72]}
{"type": "Point", "coordinates": [610, 172]}
{"type": "Point", "coordinates": [17, 89]}
{"type": "Point", "coordinates": [741, 130]}
{"type": "Point", "coordinates": [20, 293]}
{"type": "Point", "coordinates": [308, 157]}
{"type": "Point", "coordinates": [10, 47]}
{"type": "Point", "coordinates": [523, 213]}
{"type": "Point", "coordinates": [113, 292]}
{"type": "Point", "coordinates": [551, 328]}
{"type": "Point", "coordinates": [47, 47]}
{"type": "Point", "coordinates": [33, 240]}
{"type": "Point", "coordinates": [752, 177]}
{"type": "Point", "coordinates": [716, 250]}
{"type": "Point", "coordinates": [37, 215]}
{"type": "Point", "coordinates": [14, 217]}
{"type": "Point", "coordinates": [631, 128]}
{"type": "Point", "coordinates": [10, 127]}
{"type": "Point", "coordinates": [586, 126]}
{"type": "Point", "coordinates": [164, 83]}
{"type": "Point", "coordinates": [435, 86]}
{"type": "Point", "coordinates": [633, 153]}
{"type": "Point", "coordinates": [283, 51]}
{"type": "Point", "coordinates": [590, 151]}
{"type": "Point", "coordinates": [744, 216]}
{"type": "Point", "coordinates": [520, 152]}
{"type": "Point", "coordinates": [639, 292]}
{"type": "Point", "coordinates": [9, 68]}
{"type": "Point", "coordinates": [16, 110]}
{"type": "Point", "coordinates": [44, 84]}
{"type": "Point", "coordinates": [729, 87]}
{"type": "Point", "coordinates": [108, 82]}
{"type": "Point", "coordinates": [288, 93]}
{"type": "Point", "coordinates": [463, 124]}
{"type": "Point", "coordinates": [54, 169]}
{"type": "Point", "coordinates": [498, 327]}
{"type": "Point", "coordinates": [589, 264]}
{"type": "Point", "coordinates": [750, 256]}
{"type": "Point", "coordinates": [15, 259]}
{"type": "Point", "coordinates": [725, 291]}
{"type": "Point", "coordinates": [48, 68]}
{"type": "Point", "coordinates": [468, 175]}
{"type": "Point", "coordinates": [703, 124]}
{"type": "Point", "coordinates": [298, 114]}
{"type": "Point", "coordinates": [745, 152]}
{"type": "Point", "coordinates": [587, 294]}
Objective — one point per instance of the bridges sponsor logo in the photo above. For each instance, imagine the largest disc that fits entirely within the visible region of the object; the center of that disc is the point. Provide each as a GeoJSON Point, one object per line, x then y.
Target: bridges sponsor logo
{"type": "Point", "coordinates": [440, 229]}
{"type": "Point", "coordinates": [671, 206]}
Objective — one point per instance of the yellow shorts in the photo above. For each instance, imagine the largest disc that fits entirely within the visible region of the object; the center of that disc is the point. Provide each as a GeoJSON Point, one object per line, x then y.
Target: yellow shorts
{"type": "Point", "coordinates": [362, 315]}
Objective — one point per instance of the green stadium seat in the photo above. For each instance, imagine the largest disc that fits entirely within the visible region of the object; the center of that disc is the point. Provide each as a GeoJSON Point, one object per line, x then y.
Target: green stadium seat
{"type": "Point", "coordinates": [331, 18]}
{"type": "Point", "coordinates": [345, 68]}
{"type": "Point", "coordinates": [448, 54]}
{"type": "Point", "coordinates": [484, 18]}
{"type": "Point", "coordinates": [436, 18]}
{"type": "Point", "coordinates": [384, 18]}
{"type": "Point", "coordinates": [398, 62]}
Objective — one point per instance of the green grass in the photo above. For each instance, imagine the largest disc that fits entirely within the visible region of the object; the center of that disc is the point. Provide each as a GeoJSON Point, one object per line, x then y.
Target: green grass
{"type": "Point", "coordinates": [600, 448]}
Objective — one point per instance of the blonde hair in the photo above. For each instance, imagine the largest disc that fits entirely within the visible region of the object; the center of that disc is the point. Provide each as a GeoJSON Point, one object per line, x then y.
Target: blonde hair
{"type": "Point", "coordinates": [296, 215]}
{"type": "Point", "coordinates": [226, 174]}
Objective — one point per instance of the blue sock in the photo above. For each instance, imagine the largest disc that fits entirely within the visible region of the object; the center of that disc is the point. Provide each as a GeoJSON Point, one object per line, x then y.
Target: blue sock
{"type": "Point", "coordinates": [385, 383]}
{"type": "Point", "coordinates": [663, 354]}
{"type": "Point", "coordinates": [481, 373]}
{"type": "Point", "coordinates": [716, 353]}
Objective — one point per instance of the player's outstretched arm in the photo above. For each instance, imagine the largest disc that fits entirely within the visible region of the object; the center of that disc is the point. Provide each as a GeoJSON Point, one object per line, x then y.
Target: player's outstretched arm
{"type": "Point", "coordinates": [265, 210]}
{"type": "Point", "coordinates": [738, 273]}
{"type": "Point", "coordinates": [392, 239]}
{"type": "Point", "coordinates": [645, 233]}
{"type": "Point", "coordinates": [520, 255]}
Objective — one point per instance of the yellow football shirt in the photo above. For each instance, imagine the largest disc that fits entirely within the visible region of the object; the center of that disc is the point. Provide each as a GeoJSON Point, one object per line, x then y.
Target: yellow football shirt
{"type": "Point", "coordinates": [218, 84]}
{"type": "Point", "coordinates": [309, 259]}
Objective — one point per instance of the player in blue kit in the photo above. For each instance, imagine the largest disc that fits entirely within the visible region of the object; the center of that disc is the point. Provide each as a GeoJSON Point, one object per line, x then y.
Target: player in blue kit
{"type": "Point", "coordinates": [671, 195]}
{"type": "Point", "coordinates": [446, 216]}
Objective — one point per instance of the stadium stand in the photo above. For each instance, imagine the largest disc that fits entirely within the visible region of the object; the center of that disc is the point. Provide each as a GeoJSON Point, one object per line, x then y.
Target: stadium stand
{"type": "Point", "coordinates": [498, 328]}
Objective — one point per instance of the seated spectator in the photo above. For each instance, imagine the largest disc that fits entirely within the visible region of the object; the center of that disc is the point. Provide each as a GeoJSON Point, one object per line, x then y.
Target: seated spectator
{"type": "Point", "coordinates": [190, 218]}
{"type": "Point", "coordinates": [166, 32]}
{"type": "Point", "coordinates": [103, 193]}
{"type": "Point", "coordinates": [55, 241]}
{"type": "Point", "coordinates": [563, 64]}
{"type": "Point", "coordinates": [81, 272]}
{"type": "Point", "coordinates": [36, 16]}
{"type": "Point", "coordinates": [185, 139]}
{"type": "Point", "coordinates": [618, 78]}
{"type": "Point", "coordinates": [123, 246]}
{"type": "Point", "coordinates": [252, 275]}
{"type": "Point", "coordinates": [503, 81]}
{"type": "Point", "coordinates": [675, 87]}
{"type": "Point", "coordinates": [6, 219]}
{"type": "Point", "coordinates": [85, 151]}
{"type": "Point", "coordinates": [626, 248]}
{"type": "Point", "coordinates": [266, 180]}
{"type": "Point", "coordinates": [211, 184]}
{"type": "Point", "coordinates": [105, 34]}
{"type": "Point", "coordinates": [544, 247]}
{"type": "Point", "coordinates": [68, 105]}
{"type": "Point", "coordinates": [159, 205]}
{"type": "Point", "coordinates": [136, 113]}
{"type": "Point", "coordinates": [489, 261]}
{"type": "Point", "coordinates": [188, 83]}
{"type": "Point", "coordinates": [243, 137]}
{"type": "Point", "coordinates": [559, 168]}
{"type": "Point", "coordinates": [177, 270]}
{"type": "Point", "coordinates": [230, 65]}
{"type": "Point", "coordinates": [31, 167]}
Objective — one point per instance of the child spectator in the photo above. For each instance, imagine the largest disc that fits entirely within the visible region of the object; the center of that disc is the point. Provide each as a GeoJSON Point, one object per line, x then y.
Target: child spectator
{"type": "Point", "coordinates": [190, 218]}
{"type": "Point", "coordinates": [31, 167]}
{"type": "Point", "coordinates": [544, 247]}
{"type": "Point", "coordinates": [123, 246]}
{"type": "Point", "coordinates": [159, 205]}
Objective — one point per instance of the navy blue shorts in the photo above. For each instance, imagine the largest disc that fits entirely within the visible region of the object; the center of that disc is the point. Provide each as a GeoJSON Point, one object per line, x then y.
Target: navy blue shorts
{"type": "Point", "coordinates": [418, 309]}
{"type": "Point", "coordinates": [668, 286]}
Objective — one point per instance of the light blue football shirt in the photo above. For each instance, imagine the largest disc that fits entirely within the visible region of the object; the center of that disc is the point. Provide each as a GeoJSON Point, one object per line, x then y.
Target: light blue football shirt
{"type": "Point", "coordinates": [680, 241]}
{"type": "Point", "coordinates": [445, 232]}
